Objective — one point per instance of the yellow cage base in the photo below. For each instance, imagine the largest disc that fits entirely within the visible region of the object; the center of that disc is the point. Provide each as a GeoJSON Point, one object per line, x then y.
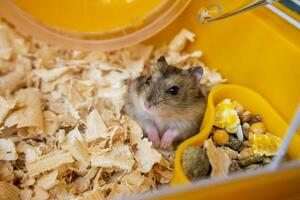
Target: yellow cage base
{"type": "Point", "coordinates": [261, 51]}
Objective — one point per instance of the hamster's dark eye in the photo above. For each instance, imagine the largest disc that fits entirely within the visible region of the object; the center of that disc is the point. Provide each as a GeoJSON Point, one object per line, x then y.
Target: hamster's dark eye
{"type": "Point", "coordinates": [173, 90]}
{"type": "Point", "coordinates": [148, 80]}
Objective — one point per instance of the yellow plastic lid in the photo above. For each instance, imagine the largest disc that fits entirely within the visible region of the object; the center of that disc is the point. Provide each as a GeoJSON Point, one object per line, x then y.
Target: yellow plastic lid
{"type": "Point", "coordinates": [91, 24]}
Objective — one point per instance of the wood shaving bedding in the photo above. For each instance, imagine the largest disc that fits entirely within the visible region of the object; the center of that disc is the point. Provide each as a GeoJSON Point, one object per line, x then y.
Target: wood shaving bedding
{"type": "Point", "coordinates": [62, 131]}
{"type": "Point", "coordinates": [48, 162]}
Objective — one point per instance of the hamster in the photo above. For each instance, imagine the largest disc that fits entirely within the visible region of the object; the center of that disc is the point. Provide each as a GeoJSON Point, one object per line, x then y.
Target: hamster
{"type": "Point", "coordinates": [168, 104]}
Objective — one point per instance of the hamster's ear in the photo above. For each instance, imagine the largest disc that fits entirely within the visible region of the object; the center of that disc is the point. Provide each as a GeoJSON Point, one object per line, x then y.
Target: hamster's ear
{"type": "Point", "coordinates": [162, 64]}
{"type": "Point", "coordinates": [197, 72]}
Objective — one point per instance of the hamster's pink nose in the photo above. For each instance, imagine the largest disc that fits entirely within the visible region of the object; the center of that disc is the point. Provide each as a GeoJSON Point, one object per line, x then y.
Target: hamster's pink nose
{"type": "Point", "coordinates": [147, 105]}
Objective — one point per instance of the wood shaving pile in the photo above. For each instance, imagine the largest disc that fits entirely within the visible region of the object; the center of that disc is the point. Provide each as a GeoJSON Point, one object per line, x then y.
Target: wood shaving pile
{"type": "Point", "coordinates": [63, 133]}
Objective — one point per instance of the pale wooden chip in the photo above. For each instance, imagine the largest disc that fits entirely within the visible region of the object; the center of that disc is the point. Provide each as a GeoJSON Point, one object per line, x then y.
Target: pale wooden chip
{"type": "Point", "coordinates": [146, 162]}
{"type": "Point", "coordinates": [218, 159]}
{"type": "Point", "coordinates": [5, 48]}
{"type": "Point", "coordinates": [74, 97]}
{"type": "Point", "coordinates": [5, 107]}
{"type": "Point", "coordinates": [51, 122]}
{"type": "Point", "coordinates": [93, 195]}
{"type": "Point", "coordinates": [134, 67]}
{"type": "Point", "coordinates": [27, 182]}
{"type": "Point", "coordinates": [116, 76]}
{"type": "Point", "coordinates": [135, 182]}
{"type": "Point", "coordinates": [119, 157]}
{"type": "Point", "coordinates": [96, 127]}
{"type": "Point", "coordinates": [164, 176]}
{"type": "Point", "coordinates": [79, 151]}
{"type": "Point", "coordinates": [73, 135]}
{"type": "Point", "coordinates": [60, 136]}
{"type": "Point", "coordinates": [10, 81]}
{"type": "Point", "coordinates": [136, 132]}
{"type": "Point", "coordinates": [163, 171]}
{"type": "Point", "coordinates": [141, 51]}
{"type": "Point", "coordinates": [40, 194]}
{"type": "Point", "coordinates": [210, 79]}
{"type": "Point", "coordinates": [131, 183]}
{"type": "Point", "coordinates": [135, 178]}
{"type": "Point", "coordinates": [9, 191]}
{"type": "Point", "coordinates": [26, 194]}
{"type": "Point", "coordinates": [83, 183]}
{"type": "Point", "coordinates": [31, 153]}
{"type": "Point", "coordinates": [48, 181]}
{"type": "Point", "coordinates": [114, 91]}
{"type": "Point", "coordinates": [179, 60]}
{"type": "Point", "coordinates": [77, 147]}
{"type": "Point", "coordinates": [115, 135]}
{"type": "Point", "coordinates": [48, 162]}
{"type": "Point", "coordinates": [51, 75]}
{"type": "Point", "coordinates": [19, 45]}
{"type": "Point", "coordinates": [178, 43]}
{"type": "Point", "coordinates": [7, 150]}
{"type": "Point", "coordinates": [96, 179]}
{"type": "Point", "coordinates": [118, 189]}
{"type": "Point", "coordinates": [30, 115]}
{"type": "Point", "coordinates": [6, 66]}
{"type": "Point", "coordinates": [59, 192]}
{"type": "Point", "coordinates": [6, 172]}
{"type": "Point", "coordinates": [71, 111]}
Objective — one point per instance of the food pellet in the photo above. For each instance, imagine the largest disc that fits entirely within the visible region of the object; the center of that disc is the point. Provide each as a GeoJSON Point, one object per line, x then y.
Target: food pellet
{"type": "Point", "coordinates": [233, 143]}
{"type": "Point", "coordinates": [255, 118]}
{"type": "Point", "coordinates": [253, 159]}
{"type": "Point", "coordinates": [195, 162]}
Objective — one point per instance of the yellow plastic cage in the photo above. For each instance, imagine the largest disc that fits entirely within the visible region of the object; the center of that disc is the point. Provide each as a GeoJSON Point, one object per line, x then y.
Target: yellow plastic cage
{"type": "Point", "coordinates": [261, 51]}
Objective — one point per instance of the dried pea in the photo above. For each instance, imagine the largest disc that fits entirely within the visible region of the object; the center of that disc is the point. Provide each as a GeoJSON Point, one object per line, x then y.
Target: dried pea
{"type": "Point", "coordinates": [220, 137]}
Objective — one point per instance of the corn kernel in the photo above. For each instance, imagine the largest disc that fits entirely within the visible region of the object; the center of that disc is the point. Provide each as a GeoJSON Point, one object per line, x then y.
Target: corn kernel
{"type": "Point", "coordinates": [265, 144]}
{"type": "Point", "coordinates": [226, 116]}
{"type": "Point", "coordinates": [258, 128]}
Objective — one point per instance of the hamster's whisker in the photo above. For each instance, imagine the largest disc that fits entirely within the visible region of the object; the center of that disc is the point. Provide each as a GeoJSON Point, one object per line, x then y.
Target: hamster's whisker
{"type": "Point", "coordinates": [163, 100]}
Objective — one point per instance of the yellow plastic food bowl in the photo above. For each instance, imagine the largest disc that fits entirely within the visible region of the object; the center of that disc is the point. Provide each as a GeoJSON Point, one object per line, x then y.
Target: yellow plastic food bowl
{"type": "Point", "coordinates": [252, 102]}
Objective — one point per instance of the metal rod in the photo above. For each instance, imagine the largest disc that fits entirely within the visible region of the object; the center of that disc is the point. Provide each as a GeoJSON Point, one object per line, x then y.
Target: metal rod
{"type": "Point", "coordinates": [242, 10]}
{"type": "Point", "coordinates": [286, 141]}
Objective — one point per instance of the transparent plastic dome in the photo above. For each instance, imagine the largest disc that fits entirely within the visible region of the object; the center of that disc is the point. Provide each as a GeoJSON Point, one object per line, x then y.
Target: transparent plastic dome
{"type": "Point", "coordinates": [63, 31]}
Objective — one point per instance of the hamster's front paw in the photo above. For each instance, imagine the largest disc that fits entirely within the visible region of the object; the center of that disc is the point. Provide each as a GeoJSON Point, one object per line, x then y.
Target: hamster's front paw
{"type": "Point", "coordinates": [153, 135]}
{"type": "Point", "coordinates": [168, 138]}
